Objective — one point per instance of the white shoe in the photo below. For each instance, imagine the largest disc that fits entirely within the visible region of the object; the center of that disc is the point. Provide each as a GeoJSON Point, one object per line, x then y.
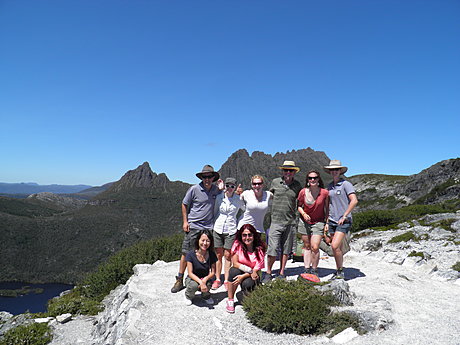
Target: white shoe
{"type": "Point", "coordinates": [209, 301]}
{"type": "Point", "coordinates": [188, 301]}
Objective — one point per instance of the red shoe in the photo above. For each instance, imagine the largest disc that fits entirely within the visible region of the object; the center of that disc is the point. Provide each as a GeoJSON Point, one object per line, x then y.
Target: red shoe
{"type": "Point", "coordinates": [230, 307]}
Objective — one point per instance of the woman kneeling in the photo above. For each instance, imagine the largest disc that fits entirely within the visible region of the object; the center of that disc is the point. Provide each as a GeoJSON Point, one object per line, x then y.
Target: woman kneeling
{"type": "Point", "coordinates": [248, 254]}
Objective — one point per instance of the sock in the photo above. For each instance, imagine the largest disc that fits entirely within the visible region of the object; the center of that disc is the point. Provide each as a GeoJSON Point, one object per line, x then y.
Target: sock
{"type": "Point", "coordinates": [180, 275]}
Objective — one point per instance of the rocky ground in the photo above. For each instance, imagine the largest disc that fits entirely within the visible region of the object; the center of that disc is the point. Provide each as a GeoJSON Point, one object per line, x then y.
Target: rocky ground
{"type": "Point", "coordinates": [403, 299]}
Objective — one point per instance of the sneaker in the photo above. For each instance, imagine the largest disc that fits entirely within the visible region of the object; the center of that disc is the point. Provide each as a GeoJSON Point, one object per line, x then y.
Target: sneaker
{"type": "Point", "coordinates": [178, 285]}
{"type": "Point", "coordinates": [338, 274]}
{"type": "Point", "coordinates": [314, 271]}
{"type": "Point", "coordinates": [307, 270]}
{"type": "Point", "coordinates": [226, 285]}
{"type": "Point", "coordinates": [280, 276]}
{"type": "Point", "coordinates": [188, 301]}
{"type": "Point", "coordinates": [267, 278]}
{"type": "Point", "coordinates": [230, 307]}
{"type": "Point", "coordinates": [217, 284]}
{"type": "Point", "coordinates": [209, 301]}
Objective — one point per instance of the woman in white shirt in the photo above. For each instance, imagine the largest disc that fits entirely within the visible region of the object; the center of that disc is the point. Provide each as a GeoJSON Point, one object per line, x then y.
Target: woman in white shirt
{"type": "Point", "coordinates": [257, 202]}
{"type": "Point", "coordinates": [226, 208]}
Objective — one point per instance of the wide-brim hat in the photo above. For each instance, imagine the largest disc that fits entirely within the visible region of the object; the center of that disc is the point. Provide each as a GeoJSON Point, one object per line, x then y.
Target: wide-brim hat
{"type": "Point", "coordinates": [336, 164]}
{"type": "Point", "coordinates": [289, 165]}
{"type": "Point", "coordinates": [207, 169]}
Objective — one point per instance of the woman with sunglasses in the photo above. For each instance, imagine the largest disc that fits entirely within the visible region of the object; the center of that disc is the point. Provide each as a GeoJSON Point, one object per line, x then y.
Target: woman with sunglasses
{"type": "Point", "coordinates": [226, 209]}
{"type": "Point", "coordinates": [342, 200]}
{"type": "Point", "coordinates": [257, 202]}
{"type": "Point", "coordinates": [248, 253]}
{"type": "Point", "coordinates": [313, 203]}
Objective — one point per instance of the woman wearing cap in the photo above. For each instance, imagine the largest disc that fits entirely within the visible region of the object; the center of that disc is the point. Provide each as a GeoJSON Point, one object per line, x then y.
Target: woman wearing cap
{"type": "Point", "coordinates": [248, 253]}
{"type": "Point", "coordinates": [342, 200]}
{"type": "Point", "coordinates": [226, 209]}
{"type": "Point", "coordinates": [257, 202]}
{"type": "Point", "coordinates": [313, 204]}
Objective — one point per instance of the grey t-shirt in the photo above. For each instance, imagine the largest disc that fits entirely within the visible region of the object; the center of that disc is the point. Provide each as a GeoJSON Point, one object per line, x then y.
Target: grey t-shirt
{"type": "Point", "coordinates": [200, 203]}
{"type": "Point", "coordinates": [338, 199]}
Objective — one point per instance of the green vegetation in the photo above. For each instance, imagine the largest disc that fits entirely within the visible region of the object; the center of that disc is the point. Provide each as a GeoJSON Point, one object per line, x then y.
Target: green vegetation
{"type": "Point", "coordinates": [24, 208]}
{"type": "Point", "coordinates": [456, 266]}
{"type": "Point", "coordinates": [407, 236]}
{"type": "Point", "coordinates": [86, 297]}
{"type": "Point", "coordinates": [33, 334]}
{"type": "Point", "coordinates": [25, 290]}
{"type": "Point", "coordinates": [295, 307]}
{"type": "Point", "coordinates": [384, 218]}
{"type": "Point", "coordinates": [436, 191]}
{"type": "Point", "coordinates": [417, 254]}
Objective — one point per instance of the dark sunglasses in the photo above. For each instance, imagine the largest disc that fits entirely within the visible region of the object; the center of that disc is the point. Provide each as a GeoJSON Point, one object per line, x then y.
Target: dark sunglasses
{"type": "Point", "coordinates": [206, 176]}
{"type": "Point", "coordinates": [312, 177]}
{"type": "Point", "coordinates": [246, 235]}
{"type": "Point", "coordinates": [335, 169]}
{"type": "Point", "coordinates": [230, 186]}
{"type": "Point", "coordinates": [290, 170]}
{"type": "Point", "coordinates": [257, 183]}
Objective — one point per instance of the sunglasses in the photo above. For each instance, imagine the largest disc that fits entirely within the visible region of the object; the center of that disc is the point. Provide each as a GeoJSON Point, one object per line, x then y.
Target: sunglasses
{"type": "Point", "coordinates": [289, 170]}
{"type": "Point", "coordinates": [207, 176]}
{"type": "Point", "coordinates": [230, 186]}
{"type": "Point", "coordinates": [246, 235]}
{"type": "Point", "coordinates": [257, 183]}
{"type": "Point", "coordinates": [312, 177]}
{"type": "Point", "coordinates": [335, 169]}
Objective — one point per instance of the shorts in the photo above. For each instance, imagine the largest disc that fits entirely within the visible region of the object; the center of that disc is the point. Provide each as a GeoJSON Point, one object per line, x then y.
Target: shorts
{"type": "Point", "coordinates": [223, 240]}
{"type": "Point", "coordinates": [311, 229]}
{"type": "Point", "coordinates": [189, 240]}
{"type": "Point", "coordinates": [333, 227]}
{"type": "Point", "coordinates": [280, 234]}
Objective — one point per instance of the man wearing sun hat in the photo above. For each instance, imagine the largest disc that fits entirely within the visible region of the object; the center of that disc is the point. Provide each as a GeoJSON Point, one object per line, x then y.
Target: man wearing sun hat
{"type": "Point", "coordinates": [285, 190]}
{"type": "Point", "coordinates": [197, 215]}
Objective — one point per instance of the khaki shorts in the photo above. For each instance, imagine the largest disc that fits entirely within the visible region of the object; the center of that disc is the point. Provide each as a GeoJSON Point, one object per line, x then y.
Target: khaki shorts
{"type": "Point", "coordinates": [223, 240]}
{"type": "Point", "coordinates": [311, 229]}
{"type": "Point", "coordinates": [280, 235]}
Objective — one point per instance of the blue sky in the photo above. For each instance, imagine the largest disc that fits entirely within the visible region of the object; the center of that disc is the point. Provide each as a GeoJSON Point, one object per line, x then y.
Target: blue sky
{"type": "Point", "coordinates": [91, 89]}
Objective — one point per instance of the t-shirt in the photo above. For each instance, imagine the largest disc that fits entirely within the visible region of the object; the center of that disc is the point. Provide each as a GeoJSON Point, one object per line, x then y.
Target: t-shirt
{"type": "Point", "coordinates": [201, 269]}
{"type": "Point", "coordinates": [315, 210]}
{"type": "Point", "coordinates": [200, 204]}
{"type": "Point", "coordinates": [253, 262]}
{"type": "Point", "coordinates": [284, 209]}
{"type": "Point", "coordinates": [255, 210]}
{"type": "Point", "coordinates": [225, 211]}
{"type": "Point", "coordinates": [338, 199]}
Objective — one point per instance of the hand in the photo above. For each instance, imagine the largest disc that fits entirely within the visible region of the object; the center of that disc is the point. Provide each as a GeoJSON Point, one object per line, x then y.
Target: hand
{"type": "Point", "coordinates": [237, 280]}
{"type": "Point", "coordinates": [239, 190]}
{"type": "Point", "coordinates": [203, 287]}
{"type": "Point", "coordinates": [306, 217]}
{"type": "Point", "coordinates": [186, 226]}
{"type": "Point", "coordinates": [254, 275]}
{"type": "Point", "coordinates": [342, 220]}
{"type": "Point", "coordinates": [220, 184]}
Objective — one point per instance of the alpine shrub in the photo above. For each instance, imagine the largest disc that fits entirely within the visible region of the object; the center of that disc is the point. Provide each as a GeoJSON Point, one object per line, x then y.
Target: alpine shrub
{"type": "Point", "coordinates": [32, 334]}
{"type": "Point", "coordinates": [290, 307]}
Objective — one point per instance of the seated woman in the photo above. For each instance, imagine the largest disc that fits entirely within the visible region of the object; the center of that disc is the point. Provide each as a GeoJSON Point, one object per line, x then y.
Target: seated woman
{"type": "Point", "coordinates": [201, 267]}
{"type": "Point", "coordinates": [248, 254]}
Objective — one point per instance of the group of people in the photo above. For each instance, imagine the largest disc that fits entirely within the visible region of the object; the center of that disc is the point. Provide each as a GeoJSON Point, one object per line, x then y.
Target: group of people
{"type": "Point", "coordinates": [215, 238]}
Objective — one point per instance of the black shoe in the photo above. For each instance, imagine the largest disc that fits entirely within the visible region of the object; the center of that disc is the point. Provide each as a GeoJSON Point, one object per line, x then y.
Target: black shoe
{"type": "Point", "coordinates": [338, 274]}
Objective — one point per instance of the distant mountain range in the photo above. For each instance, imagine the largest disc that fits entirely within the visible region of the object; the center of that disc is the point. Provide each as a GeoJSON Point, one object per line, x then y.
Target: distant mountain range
{"type": "Point", "coordinates": [59, 238]}
{"type": "Point", "coordinates": [32, 188]}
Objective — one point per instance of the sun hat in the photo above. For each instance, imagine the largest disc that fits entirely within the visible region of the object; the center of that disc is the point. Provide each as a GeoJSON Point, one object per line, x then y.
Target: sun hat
{"type": "Point", "coordinates": [207, 169]}
{"type": "Point", "coordinates": [289, 165]}
{"type": "Point", "coordinates": [336, 164]}
{"type": "Point", "coordinates": [230, 180]}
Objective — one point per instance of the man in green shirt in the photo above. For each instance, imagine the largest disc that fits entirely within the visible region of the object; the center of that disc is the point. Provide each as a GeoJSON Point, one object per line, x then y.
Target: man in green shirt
{"type": "Point", "coordinates": [285, 190]}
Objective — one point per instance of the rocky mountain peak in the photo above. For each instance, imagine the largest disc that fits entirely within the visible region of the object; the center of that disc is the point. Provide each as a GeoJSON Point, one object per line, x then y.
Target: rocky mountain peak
{"type": "Point", "coordinates": [141, 177]}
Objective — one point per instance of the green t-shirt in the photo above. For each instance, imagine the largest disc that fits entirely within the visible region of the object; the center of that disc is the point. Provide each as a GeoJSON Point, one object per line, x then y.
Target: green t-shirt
{"type": "Point", "coordinates": [284, 207]}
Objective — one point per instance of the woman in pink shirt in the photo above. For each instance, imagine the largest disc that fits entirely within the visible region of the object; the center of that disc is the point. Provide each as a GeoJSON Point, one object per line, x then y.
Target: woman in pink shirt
{"type": "Point", "coordinates": [248, 253]}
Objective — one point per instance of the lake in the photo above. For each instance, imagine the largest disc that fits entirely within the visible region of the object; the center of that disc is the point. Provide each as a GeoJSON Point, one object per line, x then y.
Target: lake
{"type": "Point", "coordinates": [32, 302]}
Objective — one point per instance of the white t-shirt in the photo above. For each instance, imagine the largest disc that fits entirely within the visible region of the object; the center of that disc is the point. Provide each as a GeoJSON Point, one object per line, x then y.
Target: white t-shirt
{"type": "Point", "coordinates": [255, 210]}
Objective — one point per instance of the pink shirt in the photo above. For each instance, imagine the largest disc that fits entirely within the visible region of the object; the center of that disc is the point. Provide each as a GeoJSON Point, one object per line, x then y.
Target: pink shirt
{"type": "Point", "coordinates": [253, 262]}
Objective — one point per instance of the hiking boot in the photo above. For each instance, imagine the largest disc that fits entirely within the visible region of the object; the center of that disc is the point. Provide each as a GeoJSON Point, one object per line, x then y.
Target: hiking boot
{"type": "Point", "coordinates": [216, 284]}
{"type": "Point", "coordinates": [230, 307]}
{"type": "Point", "coordinates": [338, 274]}
{"type": "Point", "coordinates": [267, 278]}
{"type": "Point", "coordinates": [209, 301]}
{"type": "Point", "coordinates": [178, 285]}
{"type": "Point", "coordinates": [307, 270]}
{"type": "Point", "coordinates": [281, 277]}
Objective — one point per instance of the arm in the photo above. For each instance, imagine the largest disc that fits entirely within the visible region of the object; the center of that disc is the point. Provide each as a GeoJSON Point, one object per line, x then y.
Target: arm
{"type": "Point", "coordinates": [192, 275]}
{"type": "Point", "coordinates": [239, 278]}
{"type": "Point", "coordinates": [212, 273]}
{"type": "Point", "coordinates": [351, 205]}
{"type": "Point", "coordinates": [185, 224]}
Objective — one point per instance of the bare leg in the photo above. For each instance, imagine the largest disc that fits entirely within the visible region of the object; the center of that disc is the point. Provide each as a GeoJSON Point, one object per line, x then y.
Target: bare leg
{"type": "Point", "coordinates": [306, 251]}
{"type": "Point", "coordinates": [182, 264]}
{"type": "Point", "coordinates": [284, 259]}
{"type": "Point", "coordinates": [270, 261]}
{"type": "Point", "coordinates": [220, 254]}
{"type": "Point", "coordinates": [337, 248]}
{"type": "Point", "coordinates": [315, 241]}
{"type": "Point", "coordinates": [227, 257]}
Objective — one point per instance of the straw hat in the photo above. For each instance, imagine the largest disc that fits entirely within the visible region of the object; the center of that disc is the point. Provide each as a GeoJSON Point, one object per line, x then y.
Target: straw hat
{"type": "Point", "coordinates": [336, 164]}
{"type": "Point", "coordinates": [289, 165]}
